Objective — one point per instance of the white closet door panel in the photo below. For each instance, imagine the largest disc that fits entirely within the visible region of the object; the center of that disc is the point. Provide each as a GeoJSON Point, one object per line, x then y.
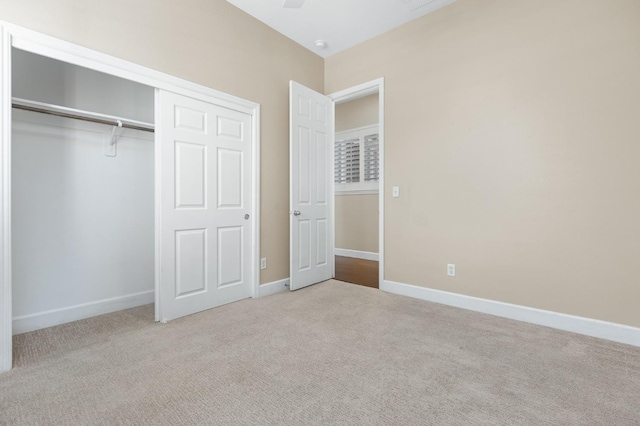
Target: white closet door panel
{"type": "Point", "coordinates": [230, 169]}
{"type": "Point", "coordinates": [229, 265]}
{"type": "Point", "coordinates": [190, 120]}
{"type": "Point", "coordinates": [230, 128]}
{"type": "Point", "coordinates": [191, 177]}
{"type": "Point", "coordinates": [191, 261]}
{"type": "Point", "coordinates": [206, 202]}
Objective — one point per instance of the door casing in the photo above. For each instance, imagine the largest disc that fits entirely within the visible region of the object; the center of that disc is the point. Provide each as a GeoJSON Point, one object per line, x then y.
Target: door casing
{"type": "Point", "coordinates": [13, 36]}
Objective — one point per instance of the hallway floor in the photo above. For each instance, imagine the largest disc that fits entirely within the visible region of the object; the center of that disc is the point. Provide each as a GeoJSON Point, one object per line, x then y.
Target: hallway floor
{"type": "Point", "coordinates": [357, 271]}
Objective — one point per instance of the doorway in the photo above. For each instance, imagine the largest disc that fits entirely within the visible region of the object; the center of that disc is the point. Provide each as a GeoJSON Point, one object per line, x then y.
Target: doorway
{"type": "Point", "coordinates": [315, 165]}
{"type": "Point", "coordinates": [356, 183]}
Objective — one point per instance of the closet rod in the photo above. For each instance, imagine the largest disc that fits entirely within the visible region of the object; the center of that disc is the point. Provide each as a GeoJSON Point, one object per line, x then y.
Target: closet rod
{"type": "Point", "coordinates": [65, 112]}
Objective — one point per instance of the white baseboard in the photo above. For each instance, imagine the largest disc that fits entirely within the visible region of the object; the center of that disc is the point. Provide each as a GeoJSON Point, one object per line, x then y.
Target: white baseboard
{"type": "Point", "coordinates": [46, 319]}
{"type": "Point", "coordinates": [581, 325]}
{"type": "Point", "coordinates": [366, 255]}
{"type": "Point", "coordinates": [274, 287]}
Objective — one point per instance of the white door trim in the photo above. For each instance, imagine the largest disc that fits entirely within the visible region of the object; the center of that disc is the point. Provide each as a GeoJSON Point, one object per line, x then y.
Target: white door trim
{"type": "Point", "coordinates": [6, 339]}
{"type": "Point", "coordinates": [41, 44]}
{"type": "Point", "coordinates": [356, 92]}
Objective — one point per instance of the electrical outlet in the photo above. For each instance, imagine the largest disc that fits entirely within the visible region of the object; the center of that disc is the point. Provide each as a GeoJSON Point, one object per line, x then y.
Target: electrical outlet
{"type": "Point", "coordinates": [263, 263]}
{"type": "Point", "coordinates": [451, 269]}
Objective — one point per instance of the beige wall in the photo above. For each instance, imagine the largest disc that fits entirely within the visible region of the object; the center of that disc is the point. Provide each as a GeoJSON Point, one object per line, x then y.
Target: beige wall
{"type": "Point", "coordinates": [512, 130]}
{"type": "Point", "coordinates": [357, 215]}
{"type": "Point", "coordinates": [358, 113]}
{"type": "Point", "coordinates": [357, 222]}
{"type": "Point", "coordinates": [208, 42]}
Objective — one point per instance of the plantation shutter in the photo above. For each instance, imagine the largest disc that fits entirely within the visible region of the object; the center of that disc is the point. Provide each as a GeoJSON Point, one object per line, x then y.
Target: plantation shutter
{"type": "Point", "coordinates": [357, 161]}
{"type": "Point", "coordinates": [347, 161]}
{"type": "Point", "coordinates": [371, 158]}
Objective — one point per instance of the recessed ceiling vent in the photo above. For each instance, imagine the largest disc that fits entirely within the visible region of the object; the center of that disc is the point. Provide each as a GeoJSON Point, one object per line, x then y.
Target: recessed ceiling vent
{"type": "Point", "coordinates": [416, 4]}
{"type": "Point", "coordinates": [293, 4]}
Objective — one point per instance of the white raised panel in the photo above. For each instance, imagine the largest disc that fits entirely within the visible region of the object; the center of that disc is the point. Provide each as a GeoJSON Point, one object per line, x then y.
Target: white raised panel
{"type": "Point", "coordinates": [191, 261]}
{"type": "Point", "coordinates": [304, 107]}
{"type": "Point", "coordinates": [229, 178]}
{"type": "Point", "coordinates": [322, 228]}
{"type": "Point", "coordinates": [304, 243]}
{"type": "Point", "coordinates": [229, 128]}
{"type": "Point", "coordinates": [322, 181]}
{"type": "Point", "coordinates": [190, 119]}
{"type": "Point", "coordinates": [229, 256]}
{"type": "Point", "coordinates": [190, 175]}
{"type": "Point", "coordinates": [321, 113]}
{"type": "Point", "coordinates": [304, 157]}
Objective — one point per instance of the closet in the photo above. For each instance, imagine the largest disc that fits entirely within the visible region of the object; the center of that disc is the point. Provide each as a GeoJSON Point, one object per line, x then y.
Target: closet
{"type": "Point", "coordinates": [121, 186]}
{"type": "Point", "coordinates": [82, 192]}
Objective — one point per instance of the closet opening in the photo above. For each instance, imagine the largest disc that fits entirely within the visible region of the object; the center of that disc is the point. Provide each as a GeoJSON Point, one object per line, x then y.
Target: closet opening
{"type": "Point", "coordinates": [357, 163]}
{"type": "Point", "coordinates": [82, 203]}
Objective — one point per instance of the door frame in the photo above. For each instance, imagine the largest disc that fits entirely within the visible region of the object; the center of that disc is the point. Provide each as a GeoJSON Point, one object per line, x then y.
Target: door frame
{"type": "Point", "coordinates": [31, 41]}
{"type": "Point", "coordinates": [351, 94]}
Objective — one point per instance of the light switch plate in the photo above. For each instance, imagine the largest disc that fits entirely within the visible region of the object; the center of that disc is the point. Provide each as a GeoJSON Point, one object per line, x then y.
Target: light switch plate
{"type": "Point", "coordinates": [395, 191]}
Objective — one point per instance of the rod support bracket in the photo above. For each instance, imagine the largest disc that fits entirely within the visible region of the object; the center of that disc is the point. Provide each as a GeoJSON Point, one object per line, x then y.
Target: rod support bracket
{"type": "Point", "coordinates": [110, 147]}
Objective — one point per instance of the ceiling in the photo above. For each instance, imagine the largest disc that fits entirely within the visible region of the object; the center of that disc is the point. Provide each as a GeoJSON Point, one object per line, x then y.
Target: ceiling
{"type": "Point", "coordinates": [340, 23]}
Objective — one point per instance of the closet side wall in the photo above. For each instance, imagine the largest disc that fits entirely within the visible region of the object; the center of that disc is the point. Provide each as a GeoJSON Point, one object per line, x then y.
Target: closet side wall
{"type": "Point", "coordinates": [83, 223]}
{"type": "Point", "coordinates": [212, 43]}
{"type": "Point", "coordinates": [357, 215]}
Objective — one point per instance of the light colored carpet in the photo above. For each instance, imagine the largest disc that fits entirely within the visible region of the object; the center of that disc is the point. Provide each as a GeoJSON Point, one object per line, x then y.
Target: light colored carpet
{"type": "Point", "coordinates": [333, 353]}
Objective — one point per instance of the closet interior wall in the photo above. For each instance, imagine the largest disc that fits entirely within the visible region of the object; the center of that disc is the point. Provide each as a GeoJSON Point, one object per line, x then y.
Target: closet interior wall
{"type": "Point", "coordinates": [83, 222]}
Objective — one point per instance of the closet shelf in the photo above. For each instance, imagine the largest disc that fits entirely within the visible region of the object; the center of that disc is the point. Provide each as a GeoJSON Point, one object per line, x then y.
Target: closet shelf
{"type": "Point", "coordinates": [78, 114]}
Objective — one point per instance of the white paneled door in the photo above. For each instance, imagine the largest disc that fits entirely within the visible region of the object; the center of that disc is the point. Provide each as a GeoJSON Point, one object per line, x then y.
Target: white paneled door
{"type": "Point", "coordinates": [311, 193]}
{"type": "Point", "coordinates": [206, 231]}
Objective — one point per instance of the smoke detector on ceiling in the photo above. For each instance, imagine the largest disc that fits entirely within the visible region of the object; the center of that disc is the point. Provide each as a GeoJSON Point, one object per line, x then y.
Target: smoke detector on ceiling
{"type": "Point", "coordinates": [321, 44]}
{"type": "Point", "coordinates": [293, 4]}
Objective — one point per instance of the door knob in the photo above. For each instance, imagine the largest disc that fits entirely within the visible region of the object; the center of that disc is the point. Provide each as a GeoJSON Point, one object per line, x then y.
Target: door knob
{"type": "Point", "coordinates": [246, 217]}
{"type": "Point", "coordinates": [296, 213]}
